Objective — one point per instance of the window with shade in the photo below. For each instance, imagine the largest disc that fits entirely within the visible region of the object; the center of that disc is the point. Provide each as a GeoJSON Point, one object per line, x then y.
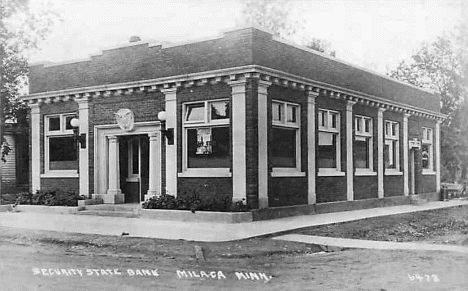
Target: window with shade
{"type": "Point", "coordinates": [328, 141]}
{"type": "Point", "coordinates": [61, 153]}
{"type": "Point", "coordinates": [206, 135]}
{"type": "Point", "coordinates": [363, 143]}
{"type": "Point", "coordinates": [392, 146]}
{"type": "Point", "coordinates": [285, 145]}
{"type": "Point", "coordinates": [427, 149]}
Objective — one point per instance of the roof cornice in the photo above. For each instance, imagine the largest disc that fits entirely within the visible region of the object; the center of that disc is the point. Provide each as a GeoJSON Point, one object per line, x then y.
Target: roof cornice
{"type": "Point", "coordinates": [231, 74]}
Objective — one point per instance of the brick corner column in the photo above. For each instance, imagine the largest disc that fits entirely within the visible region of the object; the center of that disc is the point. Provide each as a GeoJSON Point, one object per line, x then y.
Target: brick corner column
{"type": "Point", "coordinates": [349, 151]}
{"type": "Point", "coordinates": [380, 153]}
{"type": "Point", "coordinates": [239, 165]}
{"type": "Point", "coordinates": [35, 146]}
{"type": "Point", "coordinates": [83, 116]}
{"type": "Point", "coordinates": [263, 143]}
{"type": "Point", "coordinates": [405, 155]}
{"type": "Point", "coordinates": [311, 137]}
{"type": "Point", "coordinates": [437, 155]}
{"type": "Point", "coordinates": [171, 150]}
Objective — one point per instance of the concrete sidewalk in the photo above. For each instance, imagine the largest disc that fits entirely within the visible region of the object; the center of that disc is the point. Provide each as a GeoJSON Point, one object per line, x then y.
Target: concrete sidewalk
{"type": "Point", "coordinates": [369, 244]}
{"type": "Point", "coordinates": [197, 231]}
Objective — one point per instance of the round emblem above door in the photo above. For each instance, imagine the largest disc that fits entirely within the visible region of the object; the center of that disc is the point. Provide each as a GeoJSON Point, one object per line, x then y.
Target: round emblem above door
{"type": "Point", "coordinates": [125, 119]}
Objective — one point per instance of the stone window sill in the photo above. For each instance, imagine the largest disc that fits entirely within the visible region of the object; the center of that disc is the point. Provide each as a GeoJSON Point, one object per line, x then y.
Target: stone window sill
{"type": "Point", "coordinates": [429, 172]}
{"type": "Point", "coordinates": [365, 173]}
{"type": "Point", "coordinates": [287, 172]}
{"type": "Point", "coordinates": [330, 173]}
{"type": "Point", "coordinates": [214, 172]}
{"type": "Point", "coordinates": [393, 173]}
{"type": "Point", "coordinates": [60, 174]}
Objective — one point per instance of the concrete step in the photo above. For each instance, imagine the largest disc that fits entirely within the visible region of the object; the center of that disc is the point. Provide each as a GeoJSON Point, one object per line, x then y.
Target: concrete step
{"type": "Point", "coordinates": [126, 214]}
{"type": "Point", "coordinates": [114, 207]}
{"type": "Point", "coordinates": [417, 200]}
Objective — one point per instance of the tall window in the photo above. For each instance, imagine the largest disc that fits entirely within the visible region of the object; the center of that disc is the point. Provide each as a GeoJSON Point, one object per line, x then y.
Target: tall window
{"type": "Point", "coordinates": [363, 145]}
{"type": "Point", "coordinates": [392, 145]}
{"type": "Point", "coordinates": [206, 134]}
{"type": "Point", "coordinates": [285, 140]}
{"type": "Point", "coordinates": [60, 146]}
{"type": "Point", "coordinates": [427, 149]}
{"type": "Point", "coordinates": [329, 140]}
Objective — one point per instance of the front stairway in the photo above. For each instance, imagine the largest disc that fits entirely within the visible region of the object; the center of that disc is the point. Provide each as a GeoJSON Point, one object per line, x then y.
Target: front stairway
{"type": "Point", "coordinates": [115, 210]}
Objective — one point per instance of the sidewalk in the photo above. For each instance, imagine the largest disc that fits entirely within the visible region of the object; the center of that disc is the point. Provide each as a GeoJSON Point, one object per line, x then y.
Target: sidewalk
{"type": "Point", "coordinates": [197, 231]}
{"type": "Point", "coordinates": [369, 244]}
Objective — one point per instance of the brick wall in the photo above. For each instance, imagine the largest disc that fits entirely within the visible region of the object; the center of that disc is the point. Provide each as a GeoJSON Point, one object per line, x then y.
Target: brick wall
{"type": "Point", "coordinates": [187, 185]}
{"type": "Point", "coordinates": [284, 191]}
{"type": "Point", "coordinates": [60, 185]}
{"type": "Point", "coordinates": [251, 131]}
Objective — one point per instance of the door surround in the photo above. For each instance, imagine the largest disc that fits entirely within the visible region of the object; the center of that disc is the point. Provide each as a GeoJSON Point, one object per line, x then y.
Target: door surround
{"type": "Point", "coordinates": [101, 153]}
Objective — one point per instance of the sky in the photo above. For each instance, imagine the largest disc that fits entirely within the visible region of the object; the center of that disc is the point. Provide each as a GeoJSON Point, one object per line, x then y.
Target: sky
{"type": "Point", "coordinates": [375, 34]}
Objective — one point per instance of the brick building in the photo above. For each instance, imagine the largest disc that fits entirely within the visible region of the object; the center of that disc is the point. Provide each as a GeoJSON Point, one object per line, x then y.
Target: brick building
{"type": "Point", "coordinates": [246, 115]}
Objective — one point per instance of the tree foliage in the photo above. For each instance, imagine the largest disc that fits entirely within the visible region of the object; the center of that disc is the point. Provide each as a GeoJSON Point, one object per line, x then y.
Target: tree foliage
{"type": "Point", "coordinates": [442, 66]}
{"type": "Point", "coordinates": [276, 16]}
{"type": "Point", "coordinates": [20, 31]}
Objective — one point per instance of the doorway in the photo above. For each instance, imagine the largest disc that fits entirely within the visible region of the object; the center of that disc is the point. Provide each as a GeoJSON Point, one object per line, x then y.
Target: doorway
{"type": "Point", "coordinates": [134, 167]}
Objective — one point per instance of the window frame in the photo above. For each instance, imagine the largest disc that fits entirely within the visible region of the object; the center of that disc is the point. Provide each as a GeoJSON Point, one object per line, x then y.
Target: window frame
{"type": "Point", "coordinates": [207, 122]}
{"type": "Point", "coordinates": [62, 132]}
{"type": "Point", "coordinates": [360, 132]}
{"type": "Point", "coordinates": [325, 118]}
{"type": "Point", "coordinates": [284, 123]}
{"type": "Point", "coordinates": [393, 136]}
{"type": "Point", "coordinates": [428, 139]}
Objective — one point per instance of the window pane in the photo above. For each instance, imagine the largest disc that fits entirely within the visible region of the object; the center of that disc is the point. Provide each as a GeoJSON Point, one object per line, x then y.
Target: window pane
{"type": "Point", "coordinates": [425, 153]}
{"type": "Point", "coordinates": [67, 121]}
{"type": "Point", "coordinates": [327, 150]}
{"type": "Point", "coordinates": [208, 147]}
{"type": "Point", "coordinates": [135, 156]}
{"type": "Point", "coordinates": [395, 129]}
{"type": "Point", "coordinates": [390, 154]}
{"type": "Point", "coordinates": [367, 125]}
{"type": "Point", "coordinates": [277, 111]}
{"type": "Point", "coordinates": [62, 153]}
{"type": "Point", "coordinates": [292, 113]}
{"type": "Point", "coordinates": [358, 124]}
{"type": "Point", "coordinates": [322, 119]}
{"type": "Point", "coordinates": [334, 118]}
{"type": "Point", "coordinates": [195, 112]}
{"type": "Point", "coordinates": [54, 123]}
{"type": "Point", "coordinates": [361, 152]}
{"type": "Point", "coordinates": [283, 148]}
{"type": "Point", "coordinates": [219, 110]}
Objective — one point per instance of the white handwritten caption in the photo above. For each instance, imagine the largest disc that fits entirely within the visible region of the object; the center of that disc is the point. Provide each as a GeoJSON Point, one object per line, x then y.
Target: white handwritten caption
{"type": "Point", "coordinates": [181, 274]}
{"type": "Point", "coordinates": [424, 278]}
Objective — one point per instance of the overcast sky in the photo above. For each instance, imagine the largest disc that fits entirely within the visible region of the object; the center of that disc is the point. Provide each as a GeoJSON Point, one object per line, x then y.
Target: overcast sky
{"type": "Point", "coordinates": [376, 34]}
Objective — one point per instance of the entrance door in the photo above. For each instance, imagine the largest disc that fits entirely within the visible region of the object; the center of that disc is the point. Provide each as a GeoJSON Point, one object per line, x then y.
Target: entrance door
{"type": "Point", "coordinates": [134, 174]}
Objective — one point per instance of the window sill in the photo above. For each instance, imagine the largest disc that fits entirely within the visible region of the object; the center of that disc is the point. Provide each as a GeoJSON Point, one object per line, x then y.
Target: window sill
{"type": "Point", "coordinates": [393, 173]}
{"type": "Point", "coordinates": [287, 172]}
{"type": "Point", "coordinates": [330, 173]}
{"type": "Point", "coordinates": [365, 173]}
{"type": "Point", "coordinates": [429, 172]}
{"type": "Point", "coordinates": [60, 174]}
{"type": "Point", "coordinates": [214, 172]}
{"type": "Point", "coordinates": [132, 179]}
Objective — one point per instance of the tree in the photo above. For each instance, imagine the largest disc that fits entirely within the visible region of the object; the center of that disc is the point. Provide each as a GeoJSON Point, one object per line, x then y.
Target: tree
{"type": "Point", "coordinates": [20, 32]}
{"type": "Point", "coordinates": [442, 66]}
{"type": "Point", "coordinates": [276, 16]}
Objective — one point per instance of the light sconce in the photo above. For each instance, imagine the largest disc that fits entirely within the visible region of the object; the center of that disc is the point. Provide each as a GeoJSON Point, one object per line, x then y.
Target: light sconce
{"type": "Point", "coordinates": [79, 138]}
{"type": "Point", "coordinates": [167, 132]}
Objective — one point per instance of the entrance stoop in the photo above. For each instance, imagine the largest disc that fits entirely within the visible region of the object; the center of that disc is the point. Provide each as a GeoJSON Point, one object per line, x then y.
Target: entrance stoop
{"type": "Point", "coordinates": [115, 210]}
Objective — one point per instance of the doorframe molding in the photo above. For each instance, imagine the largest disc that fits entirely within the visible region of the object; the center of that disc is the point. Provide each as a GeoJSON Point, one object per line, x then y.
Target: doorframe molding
{"type": "Point", "coordinates": [101, 149]}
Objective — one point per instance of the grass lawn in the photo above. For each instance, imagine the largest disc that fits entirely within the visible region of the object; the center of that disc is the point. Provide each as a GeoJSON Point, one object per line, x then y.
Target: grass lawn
{"type": "Point", "coordinates": [448, 225]}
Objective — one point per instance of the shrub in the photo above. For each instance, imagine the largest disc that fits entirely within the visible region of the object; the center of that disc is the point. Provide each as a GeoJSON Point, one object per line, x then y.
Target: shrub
{"type": "Point", "coordinates": [195, 203]}
{"type": "Point", "coordinates": [48, 198]}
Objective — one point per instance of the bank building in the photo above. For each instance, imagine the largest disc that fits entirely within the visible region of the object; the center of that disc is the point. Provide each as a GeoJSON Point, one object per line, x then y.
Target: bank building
{"type": "Point", "coordinates": [244, 115]}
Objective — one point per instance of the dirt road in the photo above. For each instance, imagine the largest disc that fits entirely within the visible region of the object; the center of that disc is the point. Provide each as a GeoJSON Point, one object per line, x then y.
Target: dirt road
{"type": "Point", "coordinates": [46, 266]}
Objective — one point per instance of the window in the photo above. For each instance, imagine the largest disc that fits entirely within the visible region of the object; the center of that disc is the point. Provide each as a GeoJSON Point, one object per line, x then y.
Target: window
{"type": "Point", "coordinates": [392, 146]}
{"type": "Point", "coordinates": [329, 140]}
{"type": "Point", "coordinates": [363, 143]}
{"type": "Point", "coordinates": [285, 137]}
{"type": "Point", "coordinates": [207, 135]}
{"type": "Point", "coordinates": [60, 146]}
{"type": "Point", "coordinates": [427, 150]}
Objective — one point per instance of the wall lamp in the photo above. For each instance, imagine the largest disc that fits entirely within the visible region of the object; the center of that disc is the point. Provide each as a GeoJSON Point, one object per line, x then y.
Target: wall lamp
{"type": "Point", "coordinates": [79, 138]}
{"type": "Point", "coordinates": [167, 132]}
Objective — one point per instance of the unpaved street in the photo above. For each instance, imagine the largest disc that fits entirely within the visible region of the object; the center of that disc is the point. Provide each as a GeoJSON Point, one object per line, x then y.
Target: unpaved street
{"type": "Point", "coordinates": [28, 265]}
